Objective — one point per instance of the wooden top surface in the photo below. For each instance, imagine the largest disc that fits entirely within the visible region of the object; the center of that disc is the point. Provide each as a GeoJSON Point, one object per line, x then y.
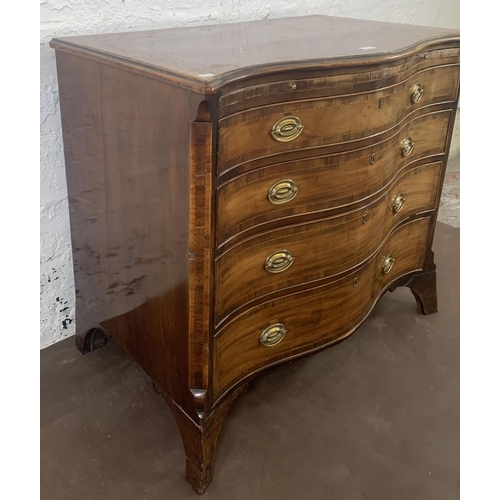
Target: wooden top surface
{"type": "Point", "coordinates": [209, 56]}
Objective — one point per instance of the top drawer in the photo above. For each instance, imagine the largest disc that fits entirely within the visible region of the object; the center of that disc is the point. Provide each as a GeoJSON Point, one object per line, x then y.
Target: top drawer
{"type": "Point", "coordinates": [360, 79]}
{"type": "Point", "coordinates": [279, 128]}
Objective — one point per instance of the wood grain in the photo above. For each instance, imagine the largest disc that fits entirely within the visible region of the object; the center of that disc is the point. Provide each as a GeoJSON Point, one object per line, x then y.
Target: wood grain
{"type": "Point", "coordinates": [238, 96]}
{"type": "Point", "coordinates": [247, 135]}
{"type": "Point", "coordinates": [205, 58]}
{"type": "Point", "coordinates": [82, 128]}
{"type": "Point", "coordinates": [127, 151]}
{"type": "Point", "coordinates": [324, 182]}
{"type": "Point", "coordinates": [169, 160]}
{"type": "Point", "coordinates": [321, 248]}
{"type": "Point", "coordinates": [317, 317]}
{"type": "Point", "coordinates": [200, 253]}
{"type": "Point", "coordinates": [200, 441]}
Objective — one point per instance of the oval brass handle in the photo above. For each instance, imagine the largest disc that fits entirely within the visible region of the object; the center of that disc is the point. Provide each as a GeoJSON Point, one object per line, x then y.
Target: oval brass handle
{"type": "Point", "coordinates": [279, 261]}
{"type": "Point", "coordinates": [398, 203]}
{"type": "Point", "coordinates": [388, 263]}
{"type": "Point", "coordinates": [416, 92]}
{"type": "Point", "coordinates": [273, 335]}
{"type": "Point", "coordinates": [287, 129]}
{"type": "Point", "coordinates": [282, 191]}
{"type": "Point", "coordinates": [407, 146]}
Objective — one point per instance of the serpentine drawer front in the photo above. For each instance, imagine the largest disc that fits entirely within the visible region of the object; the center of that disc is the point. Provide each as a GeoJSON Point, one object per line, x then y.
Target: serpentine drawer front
{"type": "Point", "coordinates": [240, 196]}
{"type": "Point", "coordinates": [340, 306]}
{"type": "Point", "coordinates": [317, 184]}
{"type": "Point", "coordinates": [273, 129]}
{"type": "Point", "coordinates": [292, 255]}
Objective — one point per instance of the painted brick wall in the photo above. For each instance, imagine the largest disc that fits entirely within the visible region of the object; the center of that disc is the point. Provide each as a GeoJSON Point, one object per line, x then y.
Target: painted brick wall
{"type": "Point", "coordinates": [82, 17]}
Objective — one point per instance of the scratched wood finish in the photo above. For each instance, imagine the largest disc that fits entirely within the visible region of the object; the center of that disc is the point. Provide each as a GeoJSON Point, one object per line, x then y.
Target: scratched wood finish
{"type": "Point", "coordinates": [169, 160]}
{"type": "Point", "coordinates": [247, 135]}
{"type": "Point", "coordinates": [317, 317]}
{"type": "Point", "coordinates": [324, 182]}
{"type": "Point", "coordinates": [321, 248]}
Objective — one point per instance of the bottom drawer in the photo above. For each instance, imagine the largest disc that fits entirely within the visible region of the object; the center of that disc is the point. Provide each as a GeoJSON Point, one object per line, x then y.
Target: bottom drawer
{"type": "Point", "coordinates": [297, 323]}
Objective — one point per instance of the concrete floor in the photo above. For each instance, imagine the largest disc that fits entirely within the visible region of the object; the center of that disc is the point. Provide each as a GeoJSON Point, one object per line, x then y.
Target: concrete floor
{"type": "Point", "coordinates": [373, 418]}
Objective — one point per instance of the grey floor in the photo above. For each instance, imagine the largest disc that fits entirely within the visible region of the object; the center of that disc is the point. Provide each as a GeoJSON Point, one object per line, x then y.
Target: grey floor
{"type": "Point", "coordinates": [374, 418]}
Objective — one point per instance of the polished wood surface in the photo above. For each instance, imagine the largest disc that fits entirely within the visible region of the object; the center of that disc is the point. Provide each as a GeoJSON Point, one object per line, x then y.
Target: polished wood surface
{"type": "Point", "coordinates": [200, 253]}
{"type": "Point", "coordinates": [314, 318]}
{"type": "Point", "coordinates": [322, 248]}
{"type": "Point", "coordinates": [126, 159]}
{"type": "Point", "coordinates": [325, 182]}
{"type": "Point", "coordinates": [200, 441]}
{"type": "Point", "coordinates": [300, 85]}
{"type": "Point", "coordinates": [209, 56]}
{"type": "Point", "coordinates": [170, 163]}
{"type": "Point", "coordinates": [246, 135]}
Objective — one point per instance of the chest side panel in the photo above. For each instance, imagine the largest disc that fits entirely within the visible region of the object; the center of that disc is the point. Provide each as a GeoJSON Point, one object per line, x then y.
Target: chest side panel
{"type": "Point", "coordinates": [127, 155]}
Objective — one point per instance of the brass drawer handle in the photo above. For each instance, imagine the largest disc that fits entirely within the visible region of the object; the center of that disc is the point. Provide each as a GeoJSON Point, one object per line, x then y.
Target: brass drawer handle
{"type": "Point", "coordinates": [287, 129]}
{"type": "Point", "coordinates": [282, 191]}
{"type": "Point", "coordinates": [279, 261]}
{"type": "Point", "coordinates": [407, 146]}
{"type": "Point", "coordinates": [398, 203]}
{"type": "Point", "coordinates": [388, 263]}
{"type": "Point", "coordinates": [273, 335]}
{"type": "Point", "coordinates": [416, 93]}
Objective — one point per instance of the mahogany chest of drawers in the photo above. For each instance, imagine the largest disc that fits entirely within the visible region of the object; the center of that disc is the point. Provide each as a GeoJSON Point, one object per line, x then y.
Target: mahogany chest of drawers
{"type": "Point", "coordinates": [244, 194]}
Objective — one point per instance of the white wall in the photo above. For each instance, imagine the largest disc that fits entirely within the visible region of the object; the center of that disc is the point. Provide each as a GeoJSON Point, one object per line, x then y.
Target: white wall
{"type": "Point", "coordinates": [82, 17]}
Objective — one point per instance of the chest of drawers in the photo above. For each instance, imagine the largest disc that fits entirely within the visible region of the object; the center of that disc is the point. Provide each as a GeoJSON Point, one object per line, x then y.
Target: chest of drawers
{"type": "Point", "coordinates": [241, 195]}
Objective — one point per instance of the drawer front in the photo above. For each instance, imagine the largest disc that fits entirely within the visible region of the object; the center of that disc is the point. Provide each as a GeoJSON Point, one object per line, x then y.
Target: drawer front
{"type": "Point", "coordinates": [279, 128]}
{"type": "Point", "coordinates": [317, 184]}
{"type": "Point", "coordinates": [297, 323]}
{"type": "Point", "coordinates": [306, 252]}
{"type": "Point", "coordinates": [271, 92]}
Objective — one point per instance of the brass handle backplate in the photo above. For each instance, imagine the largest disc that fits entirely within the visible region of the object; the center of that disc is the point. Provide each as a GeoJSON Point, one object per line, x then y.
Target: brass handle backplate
{"type": "Point", "coordinates": [279, 261]}
{"type": "Point", "coordinates": [282, 191]}
{"type": "Point", "coordinates": [287, 129]}
{"type": "Point", "coordinates": [273, 335]}
{"type": "Point", "coordinates": [407, 146]}
{"type": "Point", "coordinates": [398, 203]}
{"type": "Point", "coordinates": [388, 263]}
{"type": "Point", "coordinates": [416, 93]}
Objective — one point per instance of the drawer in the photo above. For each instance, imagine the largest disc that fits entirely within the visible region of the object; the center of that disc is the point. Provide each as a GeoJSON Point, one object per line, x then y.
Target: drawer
{"type": "Point", "coordinates": [304, 321]}
{"type": "Point", "coordinates": [343, 82]}
{"type": "Point", "coordinates": [311, 251]}
{"type": "Point", "coordinates": [274, 129]}
{"type": "Point", "coordinates": [317, 184]}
